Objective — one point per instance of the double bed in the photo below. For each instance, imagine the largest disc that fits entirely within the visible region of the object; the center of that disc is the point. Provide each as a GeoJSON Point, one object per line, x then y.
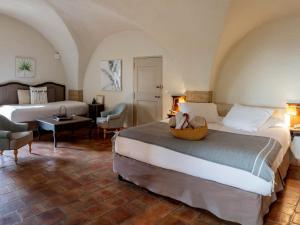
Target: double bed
{"type": "Point", "coordinates": [10, 108]}
{"type": "Point", "coordinates": [147, 156]}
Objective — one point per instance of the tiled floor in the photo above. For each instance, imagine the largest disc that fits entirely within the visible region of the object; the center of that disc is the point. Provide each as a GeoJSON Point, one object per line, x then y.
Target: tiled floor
{"type": "Point", "coordinates": [74, 184]}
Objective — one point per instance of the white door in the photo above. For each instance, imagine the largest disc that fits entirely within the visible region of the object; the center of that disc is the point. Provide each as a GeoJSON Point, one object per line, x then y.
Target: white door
{"type": "Point", "coordinates": [147, 90]}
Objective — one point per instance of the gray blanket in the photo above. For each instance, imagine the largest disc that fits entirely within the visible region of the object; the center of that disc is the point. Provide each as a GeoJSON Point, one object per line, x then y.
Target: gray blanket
{"type": "Point", "coordinates": [254, 154]}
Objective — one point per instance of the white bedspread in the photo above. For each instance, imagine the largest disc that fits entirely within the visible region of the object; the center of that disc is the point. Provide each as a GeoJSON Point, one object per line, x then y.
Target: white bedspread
{"type": "Point", "coordinates": [26, 113]}
{"type": "Point", "coordinates": [168, 159]}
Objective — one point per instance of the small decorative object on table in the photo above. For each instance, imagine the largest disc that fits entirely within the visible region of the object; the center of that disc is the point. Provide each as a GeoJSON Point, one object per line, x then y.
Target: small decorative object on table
{"type": "Point", "coordinates": [100, 99]}
{"type": "Point", "coordinates": [182, 127]}
{"type": "Point", "coordinates": [62, 114]}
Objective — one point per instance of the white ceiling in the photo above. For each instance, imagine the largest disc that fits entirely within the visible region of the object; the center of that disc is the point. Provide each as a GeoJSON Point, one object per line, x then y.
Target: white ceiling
{"type": "Point", "coordinates": [198, 33]}
{"type": "Point", "coordinates": [246, 15]}
{"type": "Point", "coordinates": [89, 23]}
{"type": "Point", "coordinates": [44, 19]}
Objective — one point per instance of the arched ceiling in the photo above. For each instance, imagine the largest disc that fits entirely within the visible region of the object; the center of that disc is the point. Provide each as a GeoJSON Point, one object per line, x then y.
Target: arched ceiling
{"type": "Point", "coordinates": [44, 19]}
{"type": "Point", "coordinates": [189, 30]}
{"type": "Point", "coordinates": [243, 17]}
{"type": "Point", "coordinates": [89, 23]}
{"type": "Point", "coordinates": [179, 27]}
{"type": "Point", "coordinates": [193, 31]}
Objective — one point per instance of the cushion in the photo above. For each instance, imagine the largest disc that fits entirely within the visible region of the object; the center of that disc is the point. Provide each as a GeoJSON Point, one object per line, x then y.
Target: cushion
{"type": "Point", "coordinates": [206, 110]}
{"type": "Point", "coordinates": [247, 118]}
{"type": "Point", "coordinates": [23, 96]}
{"type": "Point", "coordinates": [102, 122]}
{"type": "Point", "coordinates": [20, 139]}
{"type": "Point", "coordinates": [38, 95]}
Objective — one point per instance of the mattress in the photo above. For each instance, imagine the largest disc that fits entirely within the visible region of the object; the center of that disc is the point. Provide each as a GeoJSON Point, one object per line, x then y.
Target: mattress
{"type": "Point", "coordinates": [27, 113]}
{"type": "Point", "coordinates": [168, 159]}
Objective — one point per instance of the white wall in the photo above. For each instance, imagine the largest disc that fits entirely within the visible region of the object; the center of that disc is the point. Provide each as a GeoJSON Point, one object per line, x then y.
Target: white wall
{"type": "Point", "coordinates": [243, 17]}
{"type": "Point", "coordinates": [190, 30]}
{"type": "Point", "coordinates": [263, 68]}
{"type": "Point", "coordinates": [127, 45]}
{"type": "Point", "coordinates": [42, 17]}
{"type": "Point", "coordinates": [19, 39]}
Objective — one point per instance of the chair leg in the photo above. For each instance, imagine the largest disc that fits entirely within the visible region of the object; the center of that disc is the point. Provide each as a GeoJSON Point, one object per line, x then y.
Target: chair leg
{"type": "Point", "coordinates": [98, 131]}
{"type": "Point", "coordinates": [16, 155]}
{"type": "Point", "coordinates": [104, 134]}
{"type": "Point", "coordinates": [30, 147]}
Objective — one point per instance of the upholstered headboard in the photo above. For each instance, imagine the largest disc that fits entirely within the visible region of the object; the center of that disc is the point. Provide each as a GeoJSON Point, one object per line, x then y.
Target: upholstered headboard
{"type": "Point", "coordinates": [206, 97]}
{"type": "Point", "coordinates": [8, 92]}
{"type": "Point", "coordinates": [224, 108]}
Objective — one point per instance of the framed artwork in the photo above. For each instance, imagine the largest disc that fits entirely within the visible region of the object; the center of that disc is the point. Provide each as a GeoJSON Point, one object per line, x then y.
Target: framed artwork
{"type": "Point", "coordinates": [25, 67]}
{"type": "Point", "coordinates": [110, 75]}
{"type": "Point", "coordinates": [100, 99]}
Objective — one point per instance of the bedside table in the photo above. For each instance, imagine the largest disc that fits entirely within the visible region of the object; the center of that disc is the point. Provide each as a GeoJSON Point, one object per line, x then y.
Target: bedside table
{"type": "Point", "coordinates": [294, 132]}
{"type": "Point", "coordinates": [95, 111]}
{"type": "Point", "coordinates": [170, 115]}
{"type": "Point", "coordinates": [295, 146]}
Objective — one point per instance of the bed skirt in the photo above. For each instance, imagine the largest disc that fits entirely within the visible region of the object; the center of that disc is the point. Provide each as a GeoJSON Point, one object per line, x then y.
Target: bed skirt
{"type": "Point", "coordinates": [228, 203]}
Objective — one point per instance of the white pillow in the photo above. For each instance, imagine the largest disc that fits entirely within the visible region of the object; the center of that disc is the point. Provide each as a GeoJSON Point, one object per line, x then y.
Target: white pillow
{"type": "Point", "coordinates": [247, 118]}
{"type": "Point", "coordinates": [206, 110]}
{"type": "Point", "coordinates": [23, 97]}
{"type": "Point", "coordinates": [38, 95]}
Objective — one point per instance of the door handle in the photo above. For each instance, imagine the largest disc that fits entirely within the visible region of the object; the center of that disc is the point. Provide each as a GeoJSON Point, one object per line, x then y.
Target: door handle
{"type": "Point", "coordinates": [157, 96]}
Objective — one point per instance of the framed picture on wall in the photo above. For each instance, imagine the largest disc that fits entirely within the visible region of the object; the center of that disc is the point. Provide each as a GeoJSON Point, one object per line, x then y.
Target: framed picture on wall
{"type": "Point", "coordinates": [25, 67]}
{"type": "Point", "coordinates": [110, 75]}
{"type": "Point", "coordinates": [100, 99]}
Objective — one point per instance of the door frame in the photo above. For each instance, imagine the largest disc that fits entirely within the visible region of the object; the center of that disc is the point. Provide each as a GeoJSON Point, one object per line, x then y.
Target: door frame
{"type": "Point", "coordinates": [134, 114]}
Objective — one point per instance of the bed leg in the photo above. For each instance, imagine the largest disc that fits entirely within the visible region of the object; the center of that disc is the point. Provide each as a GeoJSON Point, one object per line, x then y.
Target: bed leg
{"type": "Point", "coordinates": [120, 177]}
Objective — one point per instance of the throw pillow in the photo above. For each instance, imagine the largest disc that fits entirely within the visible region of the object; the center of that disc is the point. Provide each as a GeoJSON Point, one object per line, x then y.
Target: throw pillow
{"type": "Point", "coordinates": [23, 96]}
{"type": "Point", "coordinates": [38, 95]}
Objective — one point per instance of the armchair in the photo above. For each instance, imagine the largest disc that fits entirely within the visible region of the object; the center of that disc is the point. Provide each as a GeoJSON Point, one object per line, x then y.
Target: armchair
{"type": "Point", "coordinates": [112, 119]}
{"type": "Point", "coordinates": [14, 136]}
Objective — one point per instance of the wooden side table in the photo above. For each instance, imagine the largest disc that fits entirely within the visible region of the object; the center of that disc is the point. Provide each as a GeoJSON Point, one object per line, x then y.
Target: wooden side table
{"type": "Point", "coordinates": [294, 132]}
{"type": "Point", "coordinates": [170, 115]}
{"type": "Point", "coordinates": [295, 146]}
{"type": "Point", "coordinates": [95, 111]}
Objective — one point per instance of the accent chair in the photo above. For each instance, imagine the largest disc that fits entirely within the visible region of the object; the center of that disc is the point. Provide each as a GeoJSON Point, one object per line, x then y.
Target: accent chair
{"type": "Point", "coordinates": [14, 136]}
{"type": "Point", "coordinates": [112, 120]}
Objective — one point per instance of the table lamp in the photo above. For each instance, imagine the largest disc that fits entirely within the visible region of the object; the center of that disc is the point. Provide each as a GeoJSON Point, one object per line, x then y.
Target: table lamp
{"type": "Point", "coordinates": [292, 114]}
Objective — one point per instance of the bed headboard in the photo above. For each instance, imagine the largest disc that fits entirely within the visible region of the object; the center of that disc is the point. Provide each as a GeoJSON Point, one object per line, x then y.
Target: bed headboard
{"type": "Point", "coordinates": [223, 108]}
{"type": "Point", "coordinates": [8, 91]}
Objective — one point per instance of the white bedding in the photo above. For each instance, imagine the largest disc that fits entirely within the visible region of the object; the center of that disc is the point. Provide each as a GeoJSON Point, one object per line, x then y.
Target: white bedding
{"type": "Point", "coordinates": [168, 159]}
{"type": "Point", "coordinates": [26, 113]}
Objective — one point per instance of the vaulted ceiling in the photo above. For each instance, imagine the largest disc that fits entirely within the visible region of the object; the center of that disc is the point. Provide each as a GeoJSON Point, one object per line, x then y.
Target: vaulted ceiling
{"type": "Point", "coordinates": [243, 17]}
{"type": "Point", "coordinates": [198, 33]}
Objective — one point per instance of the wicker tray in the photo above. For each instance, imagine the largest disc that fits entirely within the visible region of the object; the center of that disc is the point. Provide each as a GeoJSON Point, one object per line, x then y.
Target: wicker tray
{"type": "Point", "coordinates": [190, 133]}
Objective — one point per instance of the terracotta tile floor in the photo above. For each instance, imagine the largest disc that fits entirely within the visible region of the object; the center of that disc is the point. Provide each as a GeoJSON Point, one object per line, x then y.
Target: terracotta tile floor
{"type": "Point", "coordinates": [74, 184]}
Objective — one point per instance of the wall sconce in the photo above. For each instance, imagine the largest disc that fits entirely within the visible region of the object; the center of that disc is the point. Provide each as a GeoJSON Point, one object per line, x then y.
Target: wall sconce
{"type": "Point", "coordinates": [57, 56]}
